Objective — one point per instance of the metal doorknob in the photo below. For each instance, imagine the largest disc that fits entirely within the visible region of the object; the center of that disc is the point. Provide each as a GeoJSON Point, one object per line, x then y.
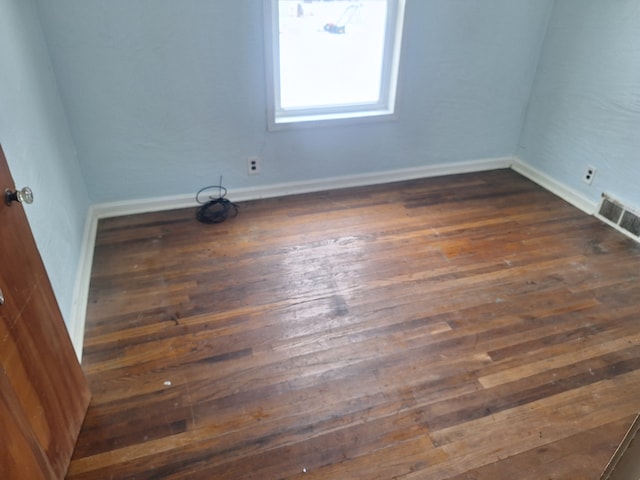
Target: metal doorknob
{"type": "Point", "coordinates": [21, 196]}
{"type": "Point", "coordinates": [1, 297]}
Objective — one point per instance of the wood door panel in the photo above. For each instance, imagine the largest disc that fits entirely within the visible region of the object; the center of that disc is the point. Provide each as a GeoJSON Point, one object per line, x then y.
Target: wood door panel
{"type": "Point", "coordinates": [42, 379]}
{"type": "Point", "coordinates": [21, 455]}
{"type": "Point", "coordinates": [44, 393]}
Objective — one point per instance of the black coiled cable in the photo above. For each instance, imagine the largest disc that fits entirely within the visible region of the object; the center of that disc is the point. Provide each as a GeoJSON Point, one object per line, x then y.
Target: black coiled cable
{"type": "Point", "coordinates": [215, 210]}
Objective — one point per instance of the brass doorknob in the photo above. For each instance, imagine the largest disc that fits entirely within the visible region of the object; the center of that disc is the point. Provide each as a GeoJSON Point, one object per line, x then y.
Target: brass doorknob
{"type": "Point", "coordinates": [24, 195]}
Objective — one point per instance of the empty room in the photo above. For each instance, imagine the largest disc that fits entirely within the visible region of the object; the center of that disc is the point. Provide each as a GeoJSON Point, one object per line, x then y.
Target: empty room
{"type": "Point", "coordinates": [320, 239]}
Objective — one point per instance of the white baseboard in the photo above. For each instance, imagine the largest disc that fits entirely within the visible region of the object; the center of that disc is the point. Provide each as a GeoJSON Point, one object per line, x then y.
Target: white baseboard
{"type": "Point", "coordinates": [377, 178]}
{"type": "Point", "coordinates": [566, 193]}
{"type": "Point", "coordinates": [617, 227]}
{"type": "Point", "coordinates": [131, 207]}
{"type": "Point", "coordinates": [81, 287]}
{"type": "Point", "coordinates": [558, 188]}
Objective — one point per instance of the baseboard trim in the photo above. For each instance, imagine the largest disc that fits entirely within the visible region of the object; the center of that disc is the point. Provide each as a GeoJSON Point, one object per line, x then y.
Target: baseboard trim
{"type": "Point", "coordinates": [617, 227]}
{"type": "Point", "coordinates": [131, 207]}
{"type": "Point", "coordinates": [81, 287]}
{"type": "Point", "coordinates": [558, 188]}
{"type": "Point", "coordinates": [377, 178]}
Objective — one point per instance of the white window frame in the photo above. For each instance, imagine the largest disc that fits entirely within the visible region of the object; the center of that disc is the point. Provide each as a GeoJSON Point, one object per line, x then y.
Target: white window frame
{"type": "Point", "coordinates": [385, 109]}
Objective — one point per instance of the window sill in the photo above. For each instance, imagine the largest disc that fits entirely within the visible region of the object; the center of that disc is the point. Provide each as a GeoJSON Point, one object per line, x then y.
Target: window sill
{"type": "Point", "coordinates": [289, 122]}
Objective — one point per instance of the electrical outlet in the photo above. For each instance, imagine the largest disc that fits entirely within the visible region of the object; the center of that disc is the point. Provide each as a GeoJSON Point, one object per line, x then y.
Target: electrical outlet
{"type": "Point", "coordinates": [253, 164]}
{"type": "Point", "coordinates": [589, 173]}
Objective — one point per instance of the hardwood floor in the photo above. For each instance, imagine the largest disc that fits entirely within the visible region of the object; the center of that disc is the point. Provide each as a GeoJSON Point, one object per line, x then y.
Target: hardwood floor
{"type": "Point", "coordinates": [463, 327]}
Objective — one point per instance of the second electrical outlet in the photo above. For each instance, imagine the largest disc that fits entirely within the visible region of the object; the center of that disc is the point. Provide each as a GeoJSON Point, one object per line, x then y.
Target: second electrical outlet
{"type": "Point", "coordinates": [253, 164]}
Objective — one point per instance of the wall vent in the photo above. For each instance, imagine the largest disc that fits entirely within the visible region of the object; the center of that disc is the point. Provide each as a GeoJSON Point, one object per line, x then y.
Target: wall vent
{"type": "Point", "coordinates": [620, 215]}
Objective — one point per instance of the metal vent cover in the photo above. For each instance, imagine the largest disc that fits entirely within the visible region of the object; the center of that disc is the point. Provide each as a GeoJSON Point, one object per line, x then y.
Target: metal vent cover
{"type": "Point", "coordinates": [631, 222]}
{"type": "Point", "coordinates": [620, 215]}
{"type": "Point", "coordinates": [611, 210]}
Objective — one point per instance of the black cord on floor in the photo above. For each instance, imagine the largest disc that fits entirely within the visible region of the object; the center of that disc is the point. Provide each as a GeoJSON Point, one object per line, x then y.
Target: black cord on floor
{"type": "Point", "coordinates": [215, 210]}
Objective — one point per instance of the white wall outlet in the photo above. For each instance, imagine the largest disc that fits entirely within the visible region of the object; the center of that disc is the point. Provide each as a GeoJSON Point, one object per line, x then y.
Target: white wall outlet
{"type": "Point", "coordinates": [589, 173]}
{"type": "Point", "coordinates": [253, 164]}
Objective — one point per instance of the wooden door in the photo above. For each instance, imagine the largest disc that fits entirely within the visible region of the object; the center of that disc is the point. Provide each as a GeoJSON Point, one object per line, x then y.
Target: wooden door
{"type": "Point", "coordinates": [43, 392]}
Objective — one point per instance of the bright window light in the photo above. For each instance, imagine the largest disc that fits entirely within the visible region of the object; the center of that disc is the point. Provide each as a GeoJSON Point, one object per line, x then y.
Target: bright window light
{"type": "Point", "coordinates": [332, 59]}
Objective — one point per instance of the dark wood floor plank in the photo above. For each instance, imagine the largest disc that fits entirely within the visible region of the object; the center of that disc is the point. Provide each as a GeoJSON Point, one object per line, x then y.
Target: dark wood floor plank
{"type": "Point", "coordinates": [461, 327]}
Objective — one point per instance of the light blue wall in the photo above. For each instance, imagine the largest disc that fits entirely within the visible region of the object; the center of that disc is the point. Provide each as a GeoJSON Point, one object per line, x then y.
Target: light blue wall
{"type": "Point", "coordinates": [163, 96]}
{"type": "Point", "coordinates": [37, 143]}
{"type": "Point", "coordinates": [585, 105]}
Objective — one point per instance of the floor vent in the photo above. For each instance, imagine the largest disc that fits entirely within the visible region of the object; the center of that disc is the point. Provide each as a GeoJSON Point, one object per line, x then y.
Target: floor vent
{"type": "Point", "coordinates": [620, 215]}
{"type": "Point", "coordinates": [631, 222]}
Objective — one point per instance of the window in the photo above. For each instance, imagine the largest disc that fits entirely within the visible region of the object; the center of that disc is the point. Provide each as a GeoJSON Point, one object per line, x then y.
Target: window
{"type": "Point", "coordinates": [332, 59]}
